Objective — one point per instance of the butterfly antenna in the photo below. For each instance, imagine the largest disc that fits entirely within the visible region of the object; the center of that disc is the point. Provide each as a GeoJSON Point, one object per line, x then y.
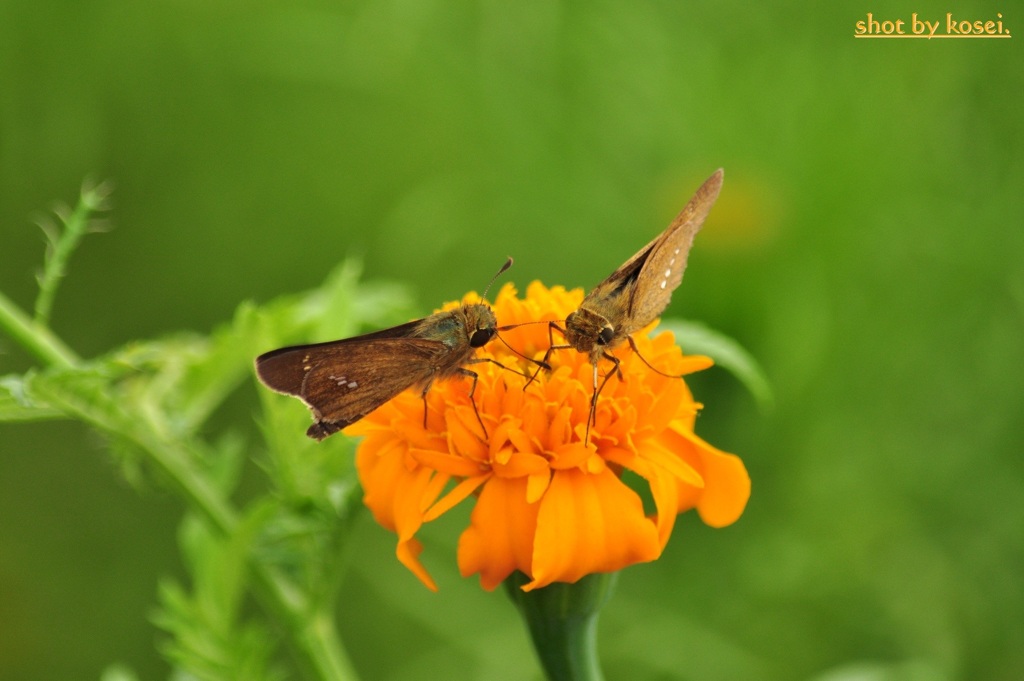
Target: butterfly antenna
{"type": "Point", "coordinates": [504, 268]}
{"type": "Point", "coordinates": [509, 327]}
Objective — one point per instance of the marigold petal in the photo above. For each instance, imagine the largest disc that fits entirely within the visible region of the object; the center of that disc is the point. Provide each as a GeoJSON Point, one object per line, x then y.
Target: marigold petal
{"type": "Point", "coordinates": [414, 434]}
{"type": "Point", "coordinates": [614, 419]}
{"type": "Point", "coordinates": [664, 405]}
{"type": "Point", "coordinates": [378, 475]}
{"type": "Point", "coordinates": [396, 497]}
{"type": "Point", "coordinates": [727, 500]}
{"type": "Point", "coordinates": [727, 488]}
{"type": "Point", "coordinates": [572, 455]}
{"type": "Point", "coordinates": [694, 363]}
{"type": "Point", "coordinates": [726, 483]}
{"type": "Point", "coordinates": [559, 429]}
{"type": "Point", "coordinates": [537, 484]}
{"type": "Point", "coordinates": [534, 416]}
{"type": "Point", "coordinates": [464, 436]}
{"type": "Point", "coordinates": [589, 523]}
{"type": "Point", "coordinates": [432, 491]}
{"type": "Point", "coordinates": [450, 464]}
{"type": "Point", "coordinates": [595, 464]}
{"type": "Point", "coordinates": [499, 538]}
{"type": "Point", "coordinates": [408, 555]}
{"type": "Point", "coordinates": [523, 442]}
{"type": "Point", "coordinates": [452, 499]}
{"type": "Point", "coordinates": [520, 464]}
{"type": "Point", "coordinates": [499, 438]}
{"type": "Point", "coordinates": [619, 456]}
{"type": "Point", "coordinates": [671, 462]}
{"type": "Point", "coordinates": [616, 425]}
{"type": "Point", "coordinates": [664, 488]}
{"type": "Point", "coordinates": [514, 398]}
{"type": "Point", "coordinates": [407, 504]}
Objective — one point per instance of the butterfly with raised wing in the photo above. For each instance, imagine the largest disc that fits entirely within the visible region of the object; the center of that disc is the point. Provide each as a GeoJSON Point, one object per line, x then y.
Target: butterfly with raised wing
{"type": "Point", "coordinates": [635, 294]}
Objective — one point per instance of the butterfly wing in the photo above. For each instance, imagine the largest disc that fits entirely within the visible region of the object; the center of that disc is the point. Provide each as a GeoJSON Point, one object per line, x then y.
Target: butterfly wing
{"type": "Point", "coordinates": [620, 280]}
{"type": "Point", "coordinates": [343, 381]}
{"type": "Point", "coordinates": [606, 303]}
{"type": "Point", "coordinates": [663, 261]}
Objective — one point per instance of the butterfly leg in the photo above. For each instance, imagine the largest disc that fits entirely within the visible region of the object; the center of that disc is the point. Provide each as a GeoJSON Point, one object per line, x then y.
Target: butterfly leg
{"type": "Point", "coordinates": [643, 359]}
{"type": "Point", "coordinates": [592, 419]}
{"type": "Point", "coordinates": [496, 362]}
{"type": "Point", "coordinates": [423, 396]}
{"type": "Point", "coordinates": [547, 355]}
{"type": "Point", "coordinates": [472, 391]}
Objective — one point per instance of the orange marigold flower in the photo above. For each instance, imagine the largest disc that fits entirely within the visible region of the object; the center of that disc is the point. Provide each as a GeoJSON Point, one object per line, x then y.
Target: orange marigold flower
{"type": "Point", "coordinates": [548, 504]}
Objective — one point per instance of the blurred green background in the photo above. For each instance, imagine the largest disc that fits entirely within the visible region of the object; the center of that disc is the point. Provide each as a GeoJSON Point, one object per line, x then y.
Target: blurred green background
{"type": "Point", "coordinates": [868, 249]}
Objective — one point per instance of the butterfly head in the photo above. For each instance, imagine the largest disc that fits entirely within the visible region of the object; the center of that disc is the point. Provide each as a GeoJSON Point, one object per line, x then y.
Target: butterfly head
{"type": "Point", "coordinates": [481, 325]}
{"type": "Point", "coordinates": [589, 332]}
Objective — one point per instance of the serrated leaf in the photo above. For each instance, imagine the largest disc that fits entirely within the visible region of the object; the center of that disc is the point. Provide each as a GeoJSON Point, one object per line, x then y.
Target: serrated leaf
{"type": "Point", "coordinates": [210, 640]}
{"type": "Point", "coordinates": [223, 364]}
{"type": "Point", "coordinates": [697, 338]}
{"type": "Point", "coordinates": [18, 404]}
{"type": "Point", "coordinates": [83, 393]}
{"type": "Point", "coordinates": [62, 242]}
{"type": "Point", "coordinates": [342, 306]}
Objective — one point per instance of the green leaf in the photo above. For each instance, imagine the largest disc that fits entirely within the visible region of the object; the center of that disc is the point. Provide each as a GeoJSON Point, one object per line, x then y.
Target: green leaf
{"type": "Point", "coordinates": [698, 339]}
{"type": "Point", "coordinates": [18, 404]}
{"type": "Point", "coordinates": [214, 368]}
{"type": "Point", "coordinates": [343, 306]}
{"type": "Point", "coordinates": [84, 393]}
{"type": "Point", "coordinates": [210, 636]}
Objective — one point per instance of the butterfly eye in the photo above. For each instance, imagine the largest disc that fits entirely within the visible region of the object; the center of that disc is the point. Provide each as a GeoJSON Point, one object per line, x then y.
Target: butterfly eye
{"type": "Point", "coordinates": [480, 337]}
{"type": "Point", "coordinates": [605, 337]}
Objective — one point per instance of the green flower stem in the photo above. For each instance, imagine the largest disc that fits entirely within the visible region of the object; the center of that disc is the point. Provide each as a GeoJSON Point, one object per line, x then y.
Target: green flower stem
{"type": "Point", "coordinates": [319, 643]}
{"type": "Point", "coordinates": [562, 619]}
{"type": "Point", "coordinates": [312, 633]}
{"type": "Point", "coordinates": [35, 338]}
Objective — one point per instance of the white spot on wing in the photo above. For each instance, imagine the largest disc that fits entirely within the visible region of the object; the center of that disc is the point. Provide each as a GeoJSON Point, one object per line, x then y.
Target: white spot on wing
{"type": "Point", "coordinates": [353, 384]}
{"type": "Point", "coordinates": [663, 284]}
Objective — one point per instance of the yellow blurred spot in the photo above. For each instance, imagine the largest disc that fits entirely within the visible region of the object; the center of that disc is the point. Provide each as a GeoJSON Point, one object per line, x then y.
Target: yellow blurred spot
{"type": "Point", "coordinates": [747, 214]}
